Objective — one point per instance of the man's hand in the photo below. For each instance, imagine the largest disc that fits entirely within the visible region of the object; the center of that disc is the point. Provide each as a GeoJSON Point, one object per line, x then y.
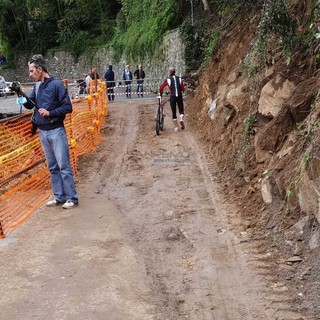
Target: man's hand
{"type": "Point", "coordinates": [44, 112]}
{"type": "Point", "coordinates": [15, 86]}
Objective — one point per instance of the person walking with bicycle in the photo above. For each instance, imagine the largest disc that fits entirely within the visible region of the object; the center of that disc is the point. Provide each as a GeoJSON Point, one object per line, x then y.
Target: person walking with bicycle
{"type": "Point", "coordinates": [176, 88]}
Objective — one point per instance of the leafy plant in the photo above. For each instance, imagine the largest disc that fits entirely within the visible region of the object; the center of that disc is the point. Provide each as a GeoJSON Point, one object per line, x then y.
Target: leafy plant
{"type": "Point", "coordinates": [311, 39]}
{"type": "Point", "coordinates": [40, 25]}
{"type": "Point", "coordinates": [214, 40]}
{"type": "Point", "coordinates": [137, 39]}
{"type": "Point", "coordinates": [276, 26]}
{"type": "Point", "coordinates": [249, 122]}
{"type": "Point", "coordinates": [289, 194]}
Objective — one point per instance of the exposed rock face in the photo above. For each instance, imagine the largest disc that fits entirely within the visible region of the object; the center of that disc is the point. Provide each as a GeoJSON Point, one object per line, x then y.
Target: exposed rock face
{"type": "Point", "coordinates": [266, 123]}
{"type": "Point", "coordinates": [270, 139]}
{"type": "Point", "coordinates": [309, 188]}
{"type": "Point", "coordinates": [302, 98]}
{"type": "Point", "coordinates": [308, 197]}
{"type": "Point", "coordinates": [266, 191]}
{"type": "Point", "coordinates": [236, 94]}
{"type": "Point", "coordinates": [274, 94]}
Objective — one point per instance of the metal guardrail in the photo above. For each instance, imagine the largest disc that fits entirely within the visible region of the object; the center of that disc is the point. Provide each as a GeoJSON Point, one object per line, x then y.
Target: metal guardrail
{"type": "Point", "coordinates": [150, 88]}
{"type": "Point", "coordinates": [9, 106]}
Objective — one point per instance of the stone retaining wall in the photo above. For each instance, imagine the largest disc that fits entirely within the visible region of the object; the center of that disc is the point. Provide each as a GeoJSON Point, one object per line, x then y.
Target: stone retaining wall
{"type": "Point", "coordinates": [62, 64]}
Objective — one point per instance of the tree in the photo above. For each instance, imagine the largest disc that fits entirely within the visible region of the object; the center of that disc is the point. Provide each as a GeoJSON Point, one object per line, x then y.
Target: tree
{"type": "Point", "coordinates": [206, 6]}
{"type": "Point", "coordinates": [39, 25]}
{"type": "Point", "coordinates": [13, 23]}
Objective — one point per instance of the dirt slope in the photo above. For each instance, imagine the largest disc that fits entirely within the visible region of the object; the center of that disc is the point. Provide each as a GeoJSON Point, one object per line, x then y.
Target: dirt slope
{"type": "Point", "coordinates": [288, 225]}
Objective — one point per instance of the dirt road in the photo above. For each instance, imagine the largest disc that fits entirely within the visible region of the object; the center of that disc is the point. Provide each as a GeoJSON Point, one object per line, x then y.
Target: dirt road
{"type": "Point", "coordinates": [153, 238]}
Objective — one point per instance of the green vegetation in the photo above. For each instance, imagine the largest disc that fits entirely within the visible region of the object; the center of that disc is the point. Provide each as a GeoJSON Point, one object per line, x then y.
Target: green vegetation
{"type": "Point", "coordinates": [131, 27]}
{"type": "Point", "coordinates": [310, 39]}
{"type": "Point", "coordinates": [202, 32]}
{"type": "Point", "coordinates": [141, 25]}
{"type": "Point", "coordinates": [276, 27]}
{"type": "Point", "coordinates": [249, 123]}
{"type": "Point", "coordinates": [136, 27]}
{"type": "Point", "coordinates": [41, 25]}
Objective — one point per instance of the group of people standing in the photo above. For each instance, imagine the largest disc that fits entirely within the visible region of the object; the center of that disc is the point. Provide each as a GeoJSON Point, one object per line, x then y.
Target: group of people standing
{"type": "Point", "coordinates": [127, 78]}
{"type": "Point", "coordinates": [174, 83]}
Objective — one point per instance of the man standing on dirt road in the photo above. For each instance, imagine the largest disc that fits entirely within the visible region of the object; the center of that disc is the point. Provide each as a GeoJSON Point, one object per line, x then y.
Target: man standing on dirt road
{"type": "Point", "coordinates": [176, 88]}
{"type": "Point", "coordinates": [139, 74]}
{"type": "Point", "coordinates": [51, 103]}
{"type": "Point", "coordinates": [109, 77]}
{"type": "Point", "coordinates": [127, 77]}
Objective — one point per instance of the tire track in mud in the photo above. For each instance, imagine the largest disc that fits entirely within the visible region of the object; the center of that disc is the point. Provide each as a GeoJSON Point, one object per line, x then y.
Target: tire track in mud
{"type": "Point", "coordinates": [166, 191]}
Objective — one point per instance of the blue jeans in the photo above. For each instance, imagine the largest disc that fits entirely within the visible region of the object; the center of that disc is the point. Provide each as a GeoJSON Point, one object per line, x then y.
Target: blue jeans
{"type": "Point", "coordinates": [128, 89]}
{"type": "Point", "coordinates": [55, 147]}
{"type": "Point", "coordinates": [140, 87]}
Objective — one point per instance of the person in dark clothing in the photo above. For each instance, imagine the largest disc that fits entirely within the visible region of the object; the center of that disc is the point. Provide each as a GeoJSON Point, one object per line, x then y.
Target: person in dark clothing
{"type": "Point", "coordinates": [139, 74]}
{"type": "Point", "coordinates": [3, 60]}
{"type": "Point", "coordinates": [109, 77]}
{"type": "Point", "coordinates": [51, 103]}
{"type": "Point", "coordinates": [81, 84]}
{"type": "Point", "coordinates": [127, 77]}
{"type": "Point", "coordinates": [176, 87]}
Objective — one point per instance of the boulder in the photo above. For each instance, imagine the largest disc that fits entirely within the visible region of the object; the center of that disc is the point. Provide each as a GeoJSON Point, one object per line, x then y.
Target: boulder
{"type": "Point", "coordinates": [266, 191]}
{"type": "Point", "coordinates": [273, 135]}
{"type": "Point", "coordinates": [308, 197]}
{"type": "Point", "coordinates": [314, 241]}
{"type": "Point", "coordinates": [303, 97]}
{"type": "Point", "coordinates": [237, 95]}
{"type": "Point", "coordinates": [303, 225]}
{"type": "Point", "coordinates": [308, 192]}
{"type": "Point", "coordinates": [274, 94]}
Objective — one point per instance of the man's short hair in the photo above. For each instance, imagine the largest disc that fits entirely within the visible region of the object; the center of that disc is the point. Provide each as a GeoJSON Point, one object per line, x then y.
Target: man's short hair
{"type": "Point", "coordinates": [38, 61]}
{"type": "Point", "coordinates": [172, 71]}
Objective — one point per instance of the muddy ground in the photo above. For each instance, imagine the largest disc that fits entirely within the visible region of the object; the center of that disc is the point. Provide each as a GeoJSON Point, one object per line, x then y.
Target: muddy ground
{"type": "Point", "coordinates": [154, 237]}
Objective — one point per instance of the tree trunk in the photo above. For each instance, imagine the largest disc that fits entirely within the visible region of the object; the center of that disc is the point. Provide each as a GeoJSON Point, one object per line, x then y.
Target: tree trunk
{"type": "Point", "coordinates": [206, 6]}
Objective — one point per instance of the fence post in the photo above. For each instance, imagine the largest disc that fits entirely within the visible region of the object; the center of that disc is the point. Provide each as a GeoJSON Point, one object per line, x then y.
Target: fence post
{"type": "Point", "coordinates": [1, 231]}
{"type": "Point", "coordinates": [65, 83]}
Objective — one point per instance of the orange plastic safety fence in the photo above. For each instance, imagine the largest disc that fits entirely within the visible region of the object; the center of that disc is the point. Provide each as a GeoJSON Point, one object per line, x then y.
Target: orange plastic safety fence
{"type": "Point", "coordinates": [24, 177]}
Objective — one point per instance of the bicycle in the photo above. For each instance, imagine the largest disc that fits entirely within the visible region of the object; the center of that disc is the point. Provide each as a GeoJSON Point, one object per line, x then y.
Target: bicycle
{"type": "Point", "coordinates": [159, 115]}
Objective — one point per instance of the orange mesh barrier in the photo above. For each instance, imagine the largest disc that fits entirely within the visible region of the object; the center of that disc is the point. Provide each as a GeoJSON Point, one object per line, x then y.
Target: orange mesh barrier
{"type": "Point", "coordinates": [24, 177]}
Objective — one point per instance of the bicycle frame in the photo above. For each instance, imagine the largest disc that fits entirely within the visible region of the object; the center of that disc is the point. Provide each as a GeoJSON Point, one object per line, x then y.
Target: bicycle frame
{"type": "Point", "coordinates": [159, 115]}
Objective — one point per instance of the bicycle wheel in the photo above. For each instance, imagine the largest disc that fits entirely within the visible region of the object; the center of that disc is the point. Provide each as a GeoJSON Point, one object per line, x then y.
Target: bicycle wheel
{"type": "Point", "coordinates": [162, 123]}
{"type": "Point", "coordinates": [158, 121]}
